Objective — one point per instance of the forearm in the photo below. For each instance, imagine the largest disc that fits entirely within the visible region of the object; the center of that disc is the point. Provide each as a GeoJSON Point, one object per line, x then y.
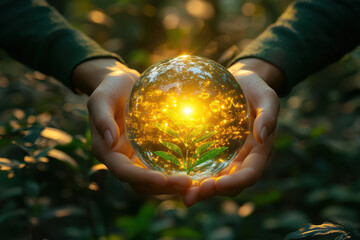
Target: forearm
{"type": "Point", "coordinates": [88, 75]}
{"type": "Point", "coordinates": [307, 37]}
{"type": "Point", "coordinates": [35, 34]}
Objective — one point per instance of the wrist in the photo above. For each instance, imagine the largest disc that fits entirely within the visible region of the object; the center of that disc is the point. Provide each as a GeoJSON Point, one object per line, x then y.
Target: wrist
{"type": "Point", "coordinates": [88, 75]}
{"type": "Point", "coordinates": [270, 73]}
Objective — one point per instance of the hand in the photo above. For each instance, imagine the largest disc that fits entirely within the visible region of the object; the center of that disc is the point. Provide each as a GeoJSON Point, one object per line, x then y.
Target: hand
{"type": "Point", "coordinates": [108, 82]}
{"type": "Point", "coordinates": [263, 102]}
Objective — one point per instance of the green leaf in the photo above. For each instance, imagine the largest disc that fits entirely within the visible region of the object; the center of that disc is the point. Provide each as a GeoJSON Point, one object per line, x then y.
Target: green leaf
{"type": "Point", "coordinates": [199, 130]}
{"type": "Point", "coordinates": [144, 218]}
{"type": "Point", "coordinates": [169, 157]}
{"type": "Point", "coordinates": [202, 148]}
{"type": "Point", "coordinates": [19, 212]}
{"type": "Point", "coordinates": [202, 137]}
{"type": "Point", "coordinates": [327, 230]}
{"type": "Point", "coordinates": [174, 117]}
{"type": "Point", "coordinates": [173, 147]}
{"type": "Point", "coordinates": [182, 233]}
{"type": "Point", "coordinates": [209, 155]}
{"type": "Point", "coordinates": [167, 130]}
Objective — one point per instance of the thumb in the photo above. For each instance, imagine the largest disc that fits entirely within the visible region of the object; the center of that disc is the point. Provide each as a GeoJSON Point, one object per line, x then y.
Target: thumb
{"type": "Point", "coordinates": [103, 116]}
{"type": "Point", "coordinates": [263, 102]}
{"type": "Point", "coordinates": [267, 111]}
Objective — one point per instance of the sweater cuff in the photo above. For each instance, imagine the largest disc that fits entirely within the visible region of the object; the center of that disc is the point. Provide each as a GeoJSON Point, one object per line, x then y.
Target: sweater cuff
{"type": "Point", "coordinates": [73, 49]}
{"type": "Point", "coordinates": [276, 57]}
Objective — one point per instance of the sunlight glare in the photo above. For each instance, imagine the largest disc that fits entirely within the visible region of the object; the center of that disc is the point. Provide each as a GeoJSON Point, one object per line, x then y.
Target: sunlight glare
{"type": "Point", "coordinates": [187, 110]}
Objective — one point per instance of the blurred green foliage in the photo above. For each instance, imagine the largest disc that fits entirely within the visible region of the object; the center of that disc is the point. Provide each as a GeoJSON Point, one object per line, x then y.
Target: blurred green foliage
{"type": "Point", "coordinates": [53, 188]}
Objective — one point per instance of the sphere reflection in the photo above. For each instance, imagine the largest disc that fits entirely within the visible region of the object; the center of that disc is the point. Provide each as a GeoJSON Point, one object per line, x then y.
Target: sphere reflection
{"type": "Point", "coordinates": [187, 115]}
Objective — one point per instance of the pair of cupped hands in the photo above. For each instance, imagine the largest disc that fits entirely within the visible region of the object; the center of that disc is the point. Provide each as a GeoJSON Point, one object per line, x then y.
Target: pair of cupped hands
{"type": "Point", "coordinates": [108, 83]}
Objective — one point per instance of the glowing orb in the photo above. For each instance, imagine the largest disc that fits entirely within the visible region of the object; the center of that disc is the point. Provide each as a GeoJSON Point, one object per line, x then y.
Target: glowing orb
{"type": "Point", "coordinates": [187, 115]}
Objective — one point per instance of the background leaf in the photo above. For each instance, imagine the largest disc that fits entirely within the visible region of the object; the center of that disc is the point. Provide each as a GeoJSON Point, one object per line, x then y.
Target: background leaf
{"type": "Point", "coordinates": [324, 231]}
{"type": "Point", "coordinates": [169, 157]}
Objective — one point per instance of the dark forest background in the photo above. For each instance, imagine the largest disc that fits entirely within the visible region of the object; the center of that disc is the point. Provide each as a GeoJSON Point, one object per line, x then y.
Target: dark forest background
{"type": "Point", "coordinates": [51, 187]}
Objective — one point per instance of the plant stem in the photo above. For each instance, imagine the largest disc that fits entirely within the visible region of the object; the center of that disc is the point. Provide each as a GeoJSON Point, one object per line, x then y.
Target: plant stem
{"type": "Point", "coordinates": [188, 162]}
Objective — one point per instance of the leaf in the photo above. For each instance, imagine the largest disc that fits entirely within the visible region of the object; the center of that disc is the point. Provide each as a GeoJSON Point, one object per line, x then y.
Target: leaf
{"type": "Point", "coordinates": [167, 130]}
{"type": "Point", "coordinates": [64, 157]}
{"type": "Point", "coordinates": [139, 225]}
{"type": "Point", "coordinates": [199, 130]}
{"type": "Point", "coordinates": [182, 233]}
{"type": "Point", "coordinates": [145, 217]}
{"type": "Point", "coordinates": [173, 147]}
{"type": "Point", "coordinates": [326, 230]}
{"type": "Point", "coordinates": [202, 148]}
{"type": "Point", "coordinates": [57, 135]}
{"type": "Point", "coordinates": [62, 211]}
{"type": "Point", "coordinates": [169, 157]}
{"type": "Point", "coordinates": [34, 134]}
{"type": "Point", "coordinates": [19, 212]}
{"type": "Point", "coordinates": [202, 137]}
{"type": "Point", "coordinates": [174, 118]}
{"type": "Point", "coordinates": [97, 168]}
{"type": "Point", "coordinates": [209, 155]}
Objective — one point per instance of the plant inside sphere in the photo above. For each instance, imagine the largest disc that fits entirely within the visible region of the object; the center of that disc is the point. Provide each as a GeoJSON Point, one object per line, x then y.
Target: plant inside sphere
{"type": "Point", "coordinates": [187, 115]}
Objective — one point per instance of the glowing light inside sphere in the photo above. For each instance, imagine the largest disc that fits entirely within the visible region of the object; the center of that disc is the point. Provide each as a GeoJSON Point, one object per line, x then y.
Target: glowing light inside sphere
{"type": "Point", "coordinates": [187, 115]}
{"type": "Point", "coordinates": [187, 110]}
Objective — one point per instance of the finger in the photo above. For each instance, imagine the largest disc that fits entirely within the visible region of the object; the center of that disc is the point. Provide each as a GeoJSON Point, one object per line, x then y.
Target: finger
{"type": "Point", "coordinates": [250, 169]}
{"type": "Point", "coordinates": [192, 196]}
{"type": "Point", "coordinates": [106, 105]}
{"type": "Point", "coordinates": [121, 166]}
{"type": "Point", "coordinates": [123, 146]}
{"type": "Point", "coordinates": [244, 151]}
{"type": "Point", "coordinates": [266, 116]}
{"type": "Point", "coordinates": [263, 101]}
{"type": "Point", "coordinates": [102, 112]}
{"type": "Point", "coordinates": [207, 187]}
{"type": "Point", "coordinates": [176, 184]}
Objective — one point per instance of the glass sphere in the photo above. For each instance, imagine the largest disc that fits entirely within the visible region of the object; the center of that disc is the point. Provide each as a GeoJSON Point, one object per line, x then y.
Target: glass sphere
{"type": "Point", "coordinates": [187, 115]}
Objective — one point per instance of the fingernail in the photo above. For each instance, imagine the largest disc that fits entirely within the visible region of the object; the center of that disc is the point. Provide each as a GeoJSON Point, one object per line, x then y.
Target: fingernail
{"type": "Point", "coordinates": [263, 134]}
{"type": "Point", "coordinates": [108, 138]}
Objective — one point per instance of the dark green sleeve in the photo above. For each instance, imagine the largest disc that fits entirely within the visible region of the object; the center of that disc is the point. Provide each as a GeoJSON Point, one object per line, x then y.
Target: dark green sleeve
{"type": "Point", "coordinates": [308, 36]}
{"type": "Point", "coordinates": [35, 34]}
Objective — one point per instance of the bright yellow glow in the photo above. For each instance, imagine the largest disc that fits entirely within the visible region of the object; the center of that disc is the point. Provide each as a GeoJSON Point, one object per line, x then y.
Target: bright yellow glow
{"type": "Point", "coordinates": [187, 110]}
